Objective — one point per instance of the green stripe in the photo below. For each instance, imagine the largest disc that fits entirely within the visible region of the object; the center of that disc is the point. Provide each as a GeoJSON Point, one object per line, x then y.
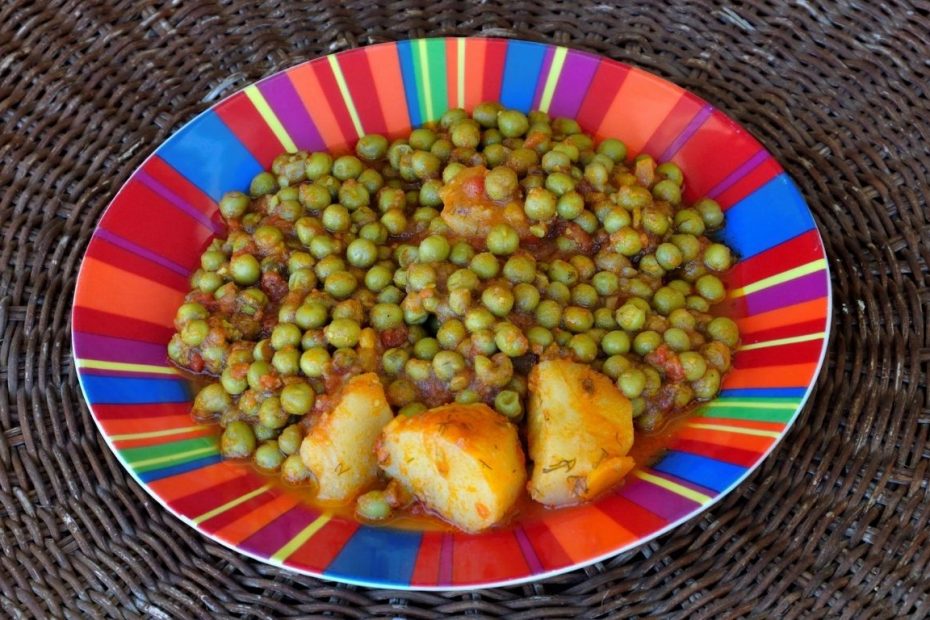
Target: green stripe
{"type": "Point", "coordinates": [418, 51]}
{"type": "Point", "coordinates": [172, 452]}
{"type": "Point", "coordinates": [436, 52]}
{"type": "Point", "coordinates": [747, 413]}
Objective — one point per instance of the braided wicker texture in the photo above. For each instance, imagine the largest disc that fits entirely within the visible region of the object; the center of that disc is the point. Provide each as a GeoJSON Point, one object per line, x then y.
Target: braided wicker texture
{"type": "Point", "coordinates": [834, 523]}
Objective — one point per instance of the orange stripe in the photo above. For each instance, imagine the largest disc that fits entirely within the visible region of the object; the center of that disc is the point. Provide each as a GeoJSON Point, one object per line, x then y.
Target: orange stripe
{"type": "Point", "coordinates": [246, 525]}
{"type": "Point", "coordinates": [475, 50]}
{"type": "Point", "coordinates": [452, 85]}
{"type": "Point", "coordinates": [153, 441]}
{"type": "Point", "coordinates": [763, 426]}
{"type": "Point", "coordinates": [389, 84]}
{"type": "Point", "coordinates": [742, 441]}
{"type": "Point", "coordinates": [145, 425]}
{"type": "Point", "coordinates": [639, 107]}
{"type": "Point", "coordinates": [310, 91]}
{"type": "Point", "coordinates": [188, 483]}
{"type": "Point", "coordinates": [798, 313]}
{"type": "Point", "coordinates": [792, 375]}
{"type": "Point", "coordinates": [104, 287]}
{"type": "Point", "coordinates": [585, 532]}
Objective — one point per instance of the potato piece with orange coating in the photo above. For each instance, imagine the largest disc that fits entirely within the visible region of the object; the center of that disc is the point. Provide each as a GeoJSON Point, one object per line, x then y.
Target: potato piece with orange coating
{"type": "Point", "coordinates": [340, 448]}
{"type": "Point", "coordinates": [462, 461]}
{"type": "Point", "coordinates": [469, 212]}
{"type": "Point", "coordinates": [580, 428]}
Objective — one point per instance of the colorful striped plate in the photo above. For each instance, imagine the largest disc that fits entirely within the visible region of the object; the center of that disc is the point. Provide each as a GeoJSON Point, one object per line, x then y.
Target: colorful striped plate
{"type": "Point", "coordinates": [135, 272]}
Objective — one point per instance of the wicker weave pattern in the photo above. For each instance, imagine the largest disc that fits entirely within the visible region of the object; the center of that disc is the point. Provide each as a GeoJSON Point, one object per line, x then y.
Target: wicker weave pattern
{"type": "Point", "coordinates": [835, 523]}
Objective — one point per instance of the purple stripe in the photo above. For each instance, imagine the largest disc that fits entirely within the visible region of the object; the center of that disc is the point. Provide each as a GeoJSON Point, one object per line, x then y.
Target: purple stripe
{"type": "Point", "coordinates": [668, 505]}
{"type": "Point", "coordinates": [731, 179]}
{"type": "Point", "coordinates": [576, 76]}
{"type": "Point", "coordinates": [149, 181]}
{"type": "Point", "coordinates": [108, 348]}
{"type": "Point", "coordinates": [280, 94]}
{"type": "Point", "coordinates": [805, 288]}
{"type": "Point", "coordinates": [266, 541]}
{"type": "Point", "coordinates": [681, 481]}
{"type": "Point", "coordinates": [543, 75]}
{"type": "Point", "coordinates": [686, 133]}
{"type": "Point", "coordinates": [445, 560]}
{"type": "Point", "coordinates": [528, 553]}
{"type": "Point", "coordinates": [138, 250]}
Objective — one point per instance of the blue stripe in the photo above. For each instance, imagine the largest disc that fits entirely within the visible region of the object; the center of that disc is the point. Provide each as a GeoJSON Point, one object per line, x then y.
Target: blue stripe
{"type": "Point", "coordinates": [378, 554]}
{"type": "Point", "coordinates": [773, 214]}
{"type": "Point", "coordinates": [101, 389]}
{"type": "Point", "coordinates": [166, 472]}
{"type": "Point", "coordinates": [700, 470]}
{"type": "Point", "coordinates": [521, 72]}
{"type": "Point", "coordinates": [788, 392]}
{"type": "Point", "coordinates": [210, 156]}
{"type": "Point", "coordinates": [410, 82]}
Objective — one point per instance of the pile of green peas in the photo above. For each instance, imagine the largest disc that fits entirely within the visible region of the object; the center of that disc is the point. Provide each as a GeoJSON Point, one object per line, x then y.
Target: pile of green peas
{"type": "Point", "coordinates": [340, 264]}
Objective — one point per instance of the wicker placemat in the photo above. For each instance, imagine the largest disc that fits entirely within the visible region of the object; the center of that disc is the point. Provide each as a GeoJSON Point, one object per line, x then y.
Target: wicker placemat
{"type": "Point", "coordinates": [833, 524]}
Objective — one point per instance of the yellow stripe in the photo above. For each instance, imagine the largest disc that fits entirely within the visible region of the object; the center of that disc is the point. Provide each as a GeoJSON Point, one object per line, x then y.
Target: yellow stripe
{"type": "Point", "coordinates": [557, 61]}
{"type": "Point", "coordinates": [674, 487]}
{"type": "Point", "coordinates": [231, 504]}
{"type": "Point", "coordinates": [124, 366]}
{"type": "Point", "coordinates": [780, 278]}
{"type": "Point", "coordinates": [173, 457]}
{"type": "Point", "coordinates": [737, 429]}
{"type": "Point", "coordinates": [164, 433]}
{"type": "Point", "coordinates": [748, 404]}
{"type": "Point", "coordinates": [346, 96]}
{"type": "Point", "coordinates": [780, 341]}
{"type": "Point", "coordinates": [258, 100]}
{"type": "Point", "coordinates": [285, 552]}
{"type": "Point", "coordinates": [424, 73]}
{"type": "Point", "coordinates": [460, 82]}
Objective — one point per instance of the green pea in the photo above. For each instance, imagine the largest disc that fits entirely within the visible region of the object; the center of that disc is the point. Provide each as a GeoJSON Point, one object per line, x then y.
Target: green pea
{"type": "Point", "coordinates": [362, 253]}
{"type": "Point", "coordinates": [318, 165]}
{"type": "Point", "coordinates": [563, 271]}
{"type": "Point", "coordinates": [556, 161]}
{"type": "Point", "coordinates": [271, 415]}
{"type": "Point", "coordinates": [342, 333]}
{"type": "Point", "coordinates": [605, 283]}
{"type": "Point", "coordinates": [373, 506]}
{"type": "Point", "coordinates": [584, 295]}
{"type": "Point", "coordinates": [604, 319]}
{"type": "Point", "coordinates": [688, 244]}
{"type": "Point", "coordinates": [421, 276]}
{"type": "Point", "coordinates": [233, 205]}
{"type": "Point", "coordinates": [293, 469]}
{"type": "Point", "coordinates": [501, 183]}
{"type": "Point", "coordinates": [371, 147]}
{"type": "Point", "coordinates": [418, 370]}
{"type": "Point", "coordinates": [526, 297]}
{"type": "Point", "coordinates": [486, 113]}
{"type": "Point", "coordinates": [671, 171]}
{"type": "Point", "coordinates": [393, 360]}
{"type": "Point", "coordinates": [677, 339]}
{"type": "Point", "coordinates": [347, 167]}
{"type": "Point", "coordinates": [562, 337]}
{"type": "Point", "coordinates": [612, 148]}
{"type": "Point", "coordinates": [286, 361]}
{"type": "Point", "coordinates": [426, 348]}
{"type": "Point", "coordinates": [461, 254]}
{"type": "Point", "coordinates": [390, 295]}
{"type": "Point", "coordinates": [340, 284]}
{"type": "Point", "coordinates": [587, 221]}
{"type": "Point", "coordinates": [724, 329]}
{"type": "Point", "coordinates": [285, 335]}
{"type": "Point", "coordinates": [485, 265]}
{"type": "Point", "coordinates": [512, 123]}
{"type": "Point", "coordinates": [478, 318]}
{"type": "Point", "coordinates": [263, 183]}
{"type": "Point", "coordinates": [627, 241]}
{"type": "Point", "coordinates": [213, 398]}
{"type": "Point", "coordinates": [498, 299]}
{"type": "Point", "coordinates": [559, 183]}
{"type": "Point", "coordinates": [244, 269]}
{"type": "Point", "coordinates": [668, 256]}
{"type": "Point", "coordinates": [577, 319]}
{"type": "Point", "coordinates": [194, 332]}
{"type": "Point", "coordinates": [386, 316]}
{"type": "Point", "coordinates": [717, 355]}
{"type": "Point", "coordinates": [462, 279]}
{"type": "Point", "coordinates": [482, 341]}
{"type": "Point", "coordinates": [632, 382]}
{"type": "Point", "coordinates": [507, 403]}
{"type": "Point", "coordinates": [615, 342]}
{"type": "Point", "coordinates": [311, 315]}
{"type": "Point", "coordinates": [262, 351]}
{"type": "Point", "coordinates": [570, 205]}
{"type": "Point", "coordinates": [268, 456]}
{"type": "Point", "coordinates": [667, 190]}
{"type": "Point", "coordinates": [510, 340]}
{"type": "Point", "coordinates": [689, 221]}
{"type": "Point", "coordinates": [238, 440]}
{"type": "Point", "coordinates": [451, 333]}
{"type": "Point", "coordinates": [549, 314]}
{"type": "Point", "coordinates": [539, 336]}
{"type": "Point", "coordinates": [615, 365]}
{"type": "Point", "coordinates": [707, 386]}
{"type": "Point", "coordinates": [447, 364]}
{"type": "Point", "coordinates": [232, 381]}
{"type": "Point", "coordinates": [698, 303]}
{"type": "Point", "coordinates": [583, 347]}
{"type": "Point", "coordinates": [615, 219]}
{"type": "Point", "coordinates": [597, 175]}
{"type": "Point", "coordinates": [540, 204]}
{"type": "Point", "coordinates": [502, 240]}
{"type": "Point", "coordinates": [434, 249]}
{"type": "Point", "coordinates": [710, 288]}
{"type": "Point", "coordinates": [710, 211]}
{"type": "Point", "coordinates": [693, 365]}
{"type": "Point", "coordinates": [634, 197]}
{"type": "Point", "coordinates": [667, 299]}
{"type": "Point", "coordinates": [646, 342]}
{"type": "Point", "coordinates": [336, 218]}
{"type": "Point", "coordinates": [297, 398]}
{"type": "Point", "coordinates": [630, 317]}
{"type": "Point", "coordinates": [717, 257]}
{"type": "Point", "coordinates": [465, 133]}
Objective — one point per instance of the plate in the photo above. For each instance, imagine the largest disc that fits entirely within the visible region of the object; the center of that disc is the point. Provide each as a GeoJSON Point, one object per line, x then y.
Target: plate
{"type": "Point", "coordinates": [135, 274]}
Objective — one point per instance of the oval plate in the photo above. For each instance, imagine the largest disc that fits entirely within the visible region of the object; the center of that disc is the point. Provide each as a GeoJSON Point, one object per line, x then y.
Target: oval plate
{"type": "Point", "coordinates": [135, 274]}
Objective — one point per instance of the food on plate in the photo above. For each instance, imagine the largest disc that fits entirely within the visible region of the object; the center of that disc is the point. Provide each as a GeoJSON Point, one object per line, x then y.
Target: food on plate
{"type": "Point", "coordinates": [464, 462]}
{"type": "Point", "coordinates": [494, 283]}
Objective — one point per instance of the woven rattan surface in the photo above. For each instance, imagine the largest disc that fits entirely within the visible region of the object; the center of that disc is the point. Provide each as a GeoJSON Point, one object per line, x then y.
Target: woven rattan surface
{"type": "Point", "coordinates": [834, 523]}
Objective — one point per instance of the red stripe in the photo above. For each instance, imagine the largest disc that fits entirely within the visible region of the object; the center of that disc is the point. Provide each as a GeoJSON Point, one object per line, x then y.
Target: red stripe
{"type": "Point", "coordinates": [759, 176]}
{"type": "Point", "coordinates": [787, 255]}
{"type": "Point", "coordinates": [426, 568]}
{"type": "Point", "coordinates": [796, 353]}
{"type": "Point", "coordinates": [105, 251]}
{"type": "Point", "coordinates": [736, 456]}
{"type": "Point", "coordinates": [631, 516]}
{"type": "Point", "coordinates": [675, 122]}
{"type": "Point", "coordinates": [471, 554]}
{"type": "Point", "coordinates": [550, 553]}
{"type": "Point", "coordinates": [452, 71]}
{"type": "Point", "coordinates": [244, 120]}
{"type": "Point", "coordinates": [329, 90]}
{"type": "Point", "coordinates": [223, 519]}
{"type": "Point", "coordinates": [207, 499]}
{"type": "Point", "coordinates": [357, 73]}
{"type": "Point", "coordinates": [787, 331]}
{"type": "Point", "coordinates": [162, 172]}
{"type": "Point", "coordinates": [323, 547]}
{"type": "Point", "coordinates": [730, 146]}
{"type": "Point", "coordinates": [493, 75]}
{"type": "Point", "coordinates": [601, 93]}
{"type": "Point", "coordinates": [143, 217]}
{"type": "Point", "coordinates": [106, 324]}
{"type": "Point", "coordinates": [128, 412]}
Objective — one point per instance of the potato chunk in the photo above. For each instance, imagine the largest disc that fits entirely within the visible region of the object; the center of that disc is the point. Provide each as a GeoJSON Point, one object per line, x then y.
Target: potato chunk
{"type": "Point", "coordinates": [469, 212]}
{"type": "Point", "coordinates": [580, 429]}
{"type": "Point", "coordinates": [462, 461]}
{"type": "Point", "coordinates": [339, 449]}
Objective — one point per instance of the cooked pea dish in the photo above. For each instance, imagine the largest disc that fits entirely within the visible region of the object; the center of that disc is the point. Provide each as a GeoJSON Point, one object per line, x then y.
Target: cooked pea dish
{"type": "Point", "coordinates": [497, 304]}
